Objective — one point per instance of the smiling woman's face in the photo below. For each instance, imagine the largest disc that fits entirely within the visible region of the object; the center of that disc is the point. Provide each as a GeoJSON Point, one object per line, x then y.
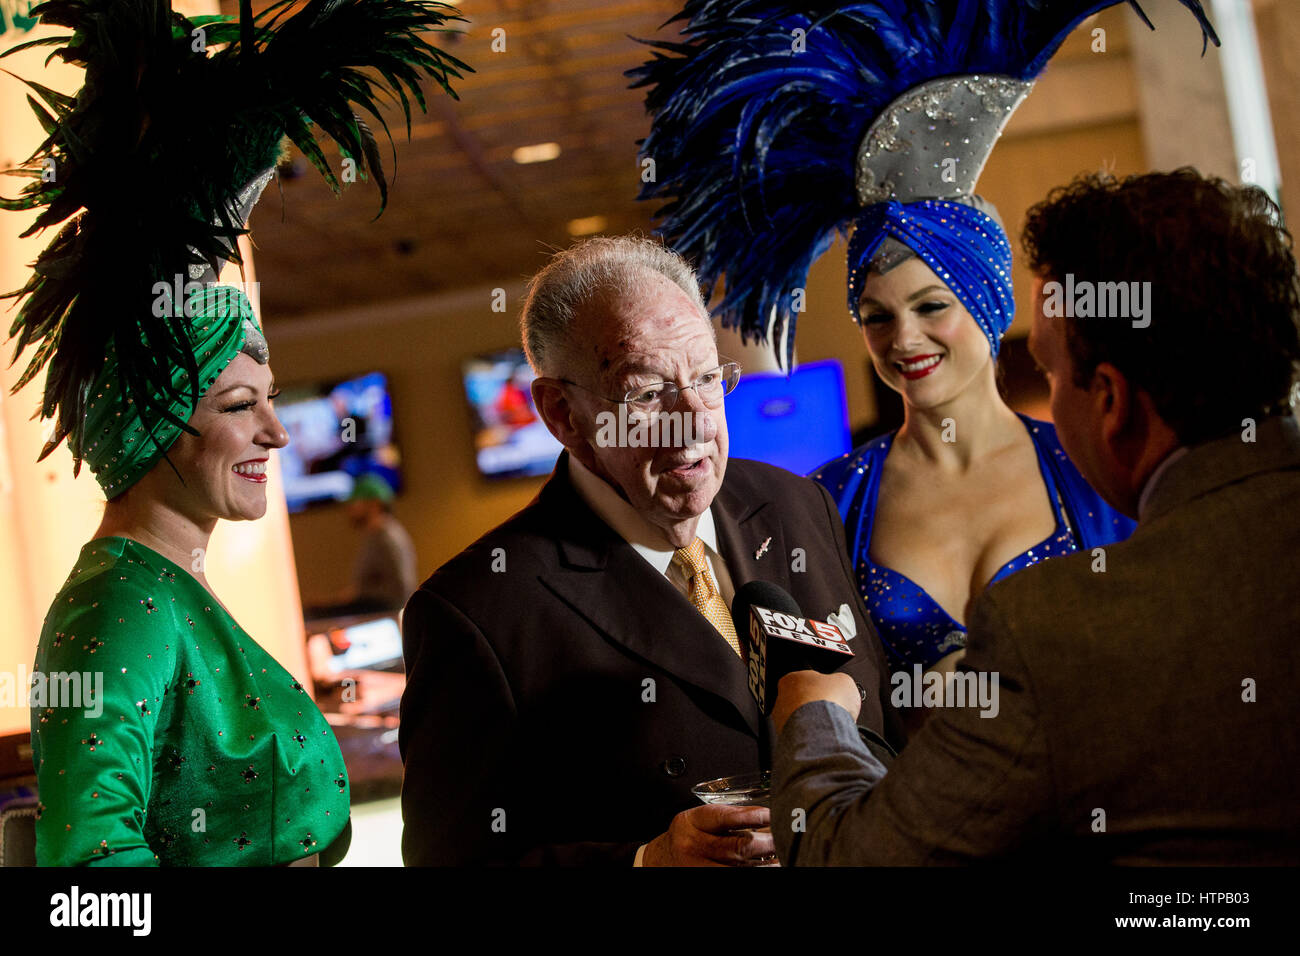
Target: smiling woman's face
{"type": "Point", "coordinates": [923, 342]}
{"type": "Point", "coordinates": [225, 466]}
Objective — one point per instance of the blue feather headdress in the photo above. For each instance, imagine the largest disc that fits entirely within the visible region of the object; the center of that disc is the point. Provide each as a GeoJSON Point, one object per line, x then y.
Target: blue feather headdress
{"type": "Point", "coordinates": [759, 119]}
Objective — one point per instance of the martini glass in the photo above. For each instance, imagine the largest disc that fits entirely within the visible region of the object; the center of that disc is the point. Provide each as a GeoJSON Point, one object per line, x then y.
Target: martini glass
{"type": "Point", "coordinates": [741, 790]}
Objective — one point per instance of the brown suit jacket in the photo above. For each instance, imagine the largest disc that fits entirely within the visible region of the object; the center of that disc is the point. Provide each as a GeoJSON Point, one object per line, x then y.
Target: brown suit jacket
{"type": "Point", "coordinates": [1147, 713]}
{"type": "Point", "coordinates": [559, 708]}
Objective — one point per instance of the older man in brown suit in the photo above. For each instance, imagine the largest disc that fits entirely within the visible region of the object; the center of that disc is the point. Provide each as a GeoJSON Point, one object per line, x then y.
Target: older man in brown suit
{"type": "Point", "coordinates": [576, 670]}
{"type": "Point", "coordinates": [1146, 710]}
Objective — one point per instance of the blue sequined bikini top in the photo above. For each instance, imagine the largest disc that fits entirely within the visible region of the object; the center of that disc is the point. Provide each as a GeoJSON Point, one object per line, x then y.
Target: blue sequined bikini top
{"type": "Point", "coordinates": [913, 627]}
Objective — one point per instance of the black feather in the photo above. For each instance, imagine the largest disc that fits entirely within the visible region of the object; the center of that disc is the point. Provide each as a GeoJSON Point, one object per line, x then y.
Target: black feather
{"type": "Point", "coordinates": [149, 158]}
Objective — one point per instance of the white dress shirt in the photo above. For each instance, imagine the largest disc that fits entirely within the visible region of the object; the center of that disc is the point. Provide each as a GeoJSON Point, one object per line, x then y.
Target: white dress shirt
{"type": "Point", "coordinates": [647, 539]}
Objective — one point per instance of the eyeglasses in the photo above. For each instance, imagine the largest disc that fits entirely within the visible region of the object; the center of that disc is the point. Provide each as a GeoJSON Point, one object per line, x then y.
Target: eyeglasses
{"type": "Point", "coordinates": [662, 396]}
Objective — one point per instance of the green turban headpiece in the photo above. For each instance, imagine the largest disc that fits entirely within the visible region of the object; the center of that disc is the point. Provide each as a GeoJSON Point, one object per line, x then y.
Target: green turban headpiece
{"type": "Point", "coordinates": [122, 447]}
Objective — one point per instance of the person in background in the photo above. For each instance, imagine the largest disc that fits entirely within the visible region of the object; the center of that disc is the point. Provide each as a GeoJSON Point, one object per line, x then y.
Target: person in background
{"type": "Point", "coordinates": [384, 570]}
{"type": "Point", "coordinates": [384, 575]}
{"type": "Point", "coordinates": [1145, 694]}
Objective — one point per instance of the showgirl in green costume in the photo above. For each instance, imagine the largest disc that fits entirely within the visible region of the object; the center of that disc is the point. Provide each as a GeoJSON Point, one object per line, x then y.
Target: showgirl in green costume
{"type": "Point", "coordinates": [199, 749]}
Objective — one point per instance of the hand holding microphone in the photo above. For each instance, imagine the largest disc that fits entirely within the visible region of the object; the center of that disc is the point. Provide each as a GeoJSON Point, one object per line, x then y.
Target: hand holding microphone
{"type": "Point", "coordinates": [803, 687]}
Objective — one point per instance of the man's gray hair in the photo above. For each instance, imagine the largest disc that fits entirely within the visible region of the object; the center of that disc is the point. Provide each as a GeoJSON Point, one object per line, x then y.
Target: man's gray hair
{"type": "Point", "coordinates": [583, 273]}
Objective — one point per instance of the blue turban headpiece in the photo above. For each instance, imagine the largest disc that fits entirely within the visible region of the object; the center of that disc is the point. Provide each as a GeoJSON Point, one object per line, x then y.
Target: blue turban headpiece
{"type": "Point", "coordinates": [965, 248]}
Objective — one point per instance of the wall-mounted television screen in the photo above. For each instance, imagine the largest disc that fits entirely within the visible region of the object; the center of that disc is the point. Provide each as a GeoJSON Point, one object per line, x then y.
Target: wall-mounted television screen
{"type": "Point", "coordinates": [337, 433]}
{"type": "Point", "coordinates": [510, 439]}
{"type": "Point", "coordinates": [797, 423]}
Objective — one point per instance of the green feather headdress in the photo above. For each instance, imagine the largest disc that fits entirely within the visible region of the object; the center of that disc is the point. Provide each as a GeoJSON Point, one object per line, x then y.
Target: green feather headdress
{"type": "Point", "coordinates": [144, 168]}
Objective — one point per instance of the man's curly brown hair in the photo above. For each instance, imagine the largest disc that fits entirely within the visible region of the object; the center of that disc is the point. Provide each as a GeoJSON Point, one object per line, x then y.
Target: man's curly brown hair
{"type": "Point", "coordinates": [1223, 343]}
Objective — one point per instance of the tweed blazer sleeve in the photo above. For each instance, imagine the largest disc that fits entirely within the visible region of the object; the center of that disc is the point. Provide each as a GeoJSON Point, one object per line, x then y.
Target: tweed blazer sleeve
{"type": "Point", "coordinates": [968, 787]}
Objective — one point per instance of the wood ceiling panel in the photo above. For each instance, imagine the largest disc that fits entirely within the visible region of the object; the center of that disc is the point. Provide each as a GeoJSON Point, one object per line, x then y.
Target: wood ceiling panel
{"type": "Point", "coordinates": [461, 213]}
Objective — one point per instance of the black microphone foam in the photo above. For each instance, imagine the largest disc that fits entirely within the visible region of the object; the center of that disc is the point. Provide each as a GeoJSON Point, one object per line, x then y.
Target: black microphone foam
{"type": "Point", "coordinates": [764, 594]}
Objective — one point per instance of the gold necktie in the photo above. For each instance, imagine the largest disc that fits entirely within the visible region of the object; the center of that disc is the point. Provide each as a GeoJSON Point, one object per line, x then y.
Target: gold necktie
{"type": "Point", "coordinates": [704, 593]}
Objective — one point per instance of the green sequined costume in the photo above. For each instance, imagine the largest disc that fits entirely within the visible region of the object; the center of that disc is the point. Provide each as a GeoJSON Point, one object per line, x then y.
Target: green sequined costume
{"type": "Point", "coordinates": [206, 752]}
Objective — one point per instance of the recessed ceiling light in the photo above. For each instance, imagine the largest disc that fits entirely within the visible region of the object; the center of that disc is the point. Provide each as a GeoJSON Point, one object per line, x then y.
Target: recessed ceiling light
{"type": "Point", "coordinates": [587, 225]}
{"type": "Point", "coordinates": [537, 153]}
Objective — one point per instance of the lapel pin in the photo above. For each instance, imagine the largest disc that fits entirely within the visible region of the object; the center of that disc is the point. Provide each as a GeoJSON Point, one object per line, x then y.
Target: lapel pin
{"type": "Point", "coordinates": [762, 548]}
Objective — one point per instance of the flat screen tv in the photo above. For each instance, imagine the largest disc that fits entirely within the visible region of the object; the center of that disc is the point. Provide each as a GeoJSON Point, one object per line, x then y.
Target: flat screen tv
{"type": "Point", "coordinates": [510, 439]}
{"type": "Point", "coordinates": [338, 432]}
{"type": "Point", "coordinates": [798, 423]}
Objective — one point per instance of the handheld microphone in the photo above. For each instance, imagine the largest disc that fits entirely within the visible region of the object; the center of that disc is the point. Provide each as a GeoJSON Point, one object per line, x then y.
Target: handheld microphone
{"type": "Point", "coordinates": [780, 639]}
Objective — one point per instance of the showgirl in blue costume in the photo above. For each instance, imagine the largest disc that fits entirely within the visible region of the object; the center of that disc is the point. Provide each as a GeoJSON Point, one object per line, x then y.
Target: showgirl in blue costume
{"type": "Point", "coordinates": [778, 125]}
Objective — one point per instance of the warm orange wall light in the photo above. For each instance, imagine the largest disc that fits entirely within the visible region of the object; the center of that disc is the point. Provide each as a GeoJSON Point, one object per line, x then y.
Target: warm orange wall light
{"type": "Point", "coordinates": [45, 514]}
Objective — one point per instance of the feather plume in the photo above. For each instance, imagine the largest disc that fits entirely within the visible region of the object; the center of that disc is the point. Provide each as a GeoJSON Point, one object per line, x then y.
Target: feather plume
{"type": "Point", "coordinates": [142, 170]}
{"type": "Point", "coordinates": [758, 112]}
